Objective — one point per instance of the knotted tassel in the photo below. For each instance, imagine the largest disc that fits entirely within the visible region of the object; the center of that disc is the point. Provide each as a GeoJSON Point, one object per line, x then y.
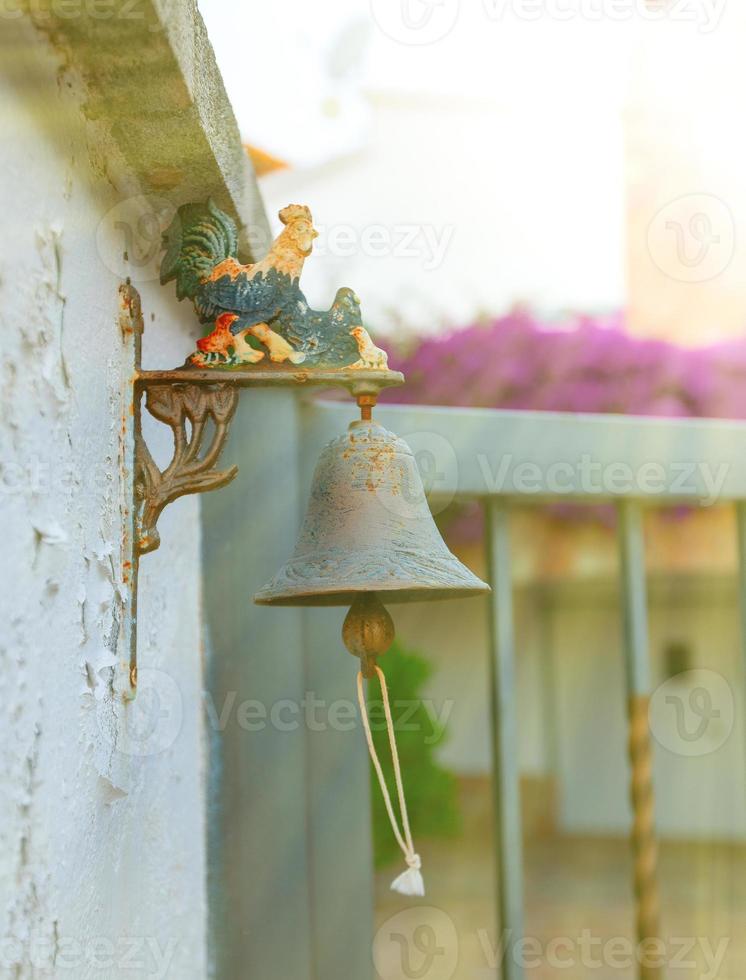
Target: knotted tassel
{"type": "Point", "coordinates": [409, 882]}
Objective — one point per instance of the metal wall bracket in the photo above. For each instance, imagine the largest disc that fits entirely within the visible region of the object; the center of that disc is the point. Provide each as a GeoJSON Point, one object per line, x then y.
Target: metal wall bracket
{"type": "Point", "coordinates": [198, 404]}
{"type": "Point", "coordinates": [193, 467]}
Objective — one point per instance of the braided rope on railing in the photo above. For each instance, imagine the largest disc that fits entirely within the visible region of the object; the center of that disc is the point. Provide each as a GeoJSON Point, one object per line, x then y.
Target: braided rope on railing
{"type": "Point", "coordinates": [643, 832]}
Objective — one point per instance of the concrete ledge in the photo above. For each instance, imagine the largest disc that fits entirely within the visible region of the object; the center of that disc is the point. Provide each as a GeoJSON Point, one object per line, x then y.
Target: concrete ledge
{"type": "Point", "coordinates": [149, 76]}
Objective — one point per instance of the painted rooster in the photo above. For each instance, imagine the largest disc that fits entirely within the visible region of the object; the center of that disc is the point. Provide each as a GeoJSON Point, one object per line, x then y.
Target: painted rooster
{"type": "Point", "coordinates": [262, 301]}
{"type": "Point", "coordinates": [201, 244]}
{"type": "Point", "coordinates": [332, 338]}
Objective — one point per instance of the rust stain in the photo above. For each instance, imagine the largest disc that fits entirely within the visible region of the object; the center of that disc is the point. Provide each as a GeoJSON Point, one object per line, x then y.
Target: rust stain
{"type": "Point", "coordinates": [228, 267]}
{"type": "Point", "coordinates": [164, 178]}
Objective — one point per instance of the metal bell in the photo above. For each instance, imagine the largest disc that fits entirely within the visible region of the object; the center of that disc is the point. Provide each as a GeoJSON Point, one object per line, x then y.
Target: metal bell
{"type": "Point", "coordinates": [368, 537]}
{"type": "Point", "coordinates": [368, 529]}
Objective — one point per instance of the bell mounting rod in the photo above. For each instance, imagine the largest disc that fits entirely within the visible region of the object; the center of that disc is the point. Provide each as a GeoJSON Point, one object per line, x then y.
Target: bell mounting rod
{"type": "Point", "coordinates": [366, 404]}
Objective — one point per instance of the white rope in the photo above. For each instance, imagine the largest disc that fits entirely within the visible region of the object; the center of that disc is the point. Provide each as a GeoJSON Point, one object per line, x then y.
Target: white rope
{"type": "Point", "coordinates": [410, 881]}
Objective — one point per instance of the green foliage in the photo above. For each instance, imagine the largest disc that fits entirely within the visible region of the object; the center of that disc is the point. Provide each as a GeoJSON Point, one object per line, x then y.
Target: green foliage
{"type": "Point", "coordinates": [431, 790]}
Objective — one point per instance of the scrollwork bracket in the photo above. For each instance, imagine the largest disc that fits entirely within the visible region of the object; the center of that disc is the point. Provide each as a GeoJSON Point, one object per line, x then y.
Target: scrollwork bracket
{"type": "Point", "coordinates": [199, 417]}
{"type": "Point", "coordinates": [198, 405]}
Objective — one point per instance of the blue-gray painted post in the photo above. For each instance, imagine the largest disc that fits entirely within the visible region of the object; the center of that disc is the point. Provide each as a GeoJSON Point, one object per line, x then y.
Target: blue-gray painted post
{"type": "Point", "coordinates": [260, 902]}
{"type": "Point", "coordinates": [741, 532]}
{"type": "Point", "coordinates": [635, 618]}
{"type": "Point", "coordinates": [634, 598]}
{"type": "Point", "coordinates": [549, 710]}
{"type": "Point", "coordinates": [508, 826]}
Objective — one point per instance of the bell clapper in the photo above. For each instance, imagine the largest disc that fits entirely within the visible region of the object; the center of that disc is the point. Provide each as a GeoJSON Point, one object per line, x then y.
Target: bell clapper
{"type": "Point", "coordinates": [356, 545]}
{"type": "Point", "coordinates": [368, 631]}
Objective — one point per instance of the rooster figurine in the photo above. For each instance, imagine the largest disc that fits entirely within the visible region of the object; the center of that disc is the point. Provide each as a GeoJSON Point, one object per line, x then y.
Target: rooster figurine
{"type": "Point", "coordinates": [262, 301]}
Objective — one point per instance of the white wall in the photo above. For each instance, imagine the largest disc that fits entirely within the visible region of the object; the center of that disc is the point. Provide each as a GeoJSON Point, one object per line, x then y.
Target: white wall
{"type": "Point", "coordinates": [464, 206]}
{"type": "Point", "coordinates": [102, 855]}
{"type": "Point", "coordinates": [697, 796]}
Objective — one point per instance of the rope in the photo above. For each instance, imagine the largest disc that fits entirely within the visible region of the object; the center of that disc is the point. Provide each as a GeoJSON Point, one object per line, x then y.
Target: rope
{"type": "Point", "coordinates": [410, 881]}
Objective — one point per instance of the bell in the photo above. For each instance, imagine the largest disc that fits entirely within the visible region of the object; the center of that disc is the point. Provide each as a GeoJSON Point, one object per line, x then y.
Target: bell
{"type": "Point", "coordinates": [368, 535]}
{"type": "Point", "coordinates": [368, 529]}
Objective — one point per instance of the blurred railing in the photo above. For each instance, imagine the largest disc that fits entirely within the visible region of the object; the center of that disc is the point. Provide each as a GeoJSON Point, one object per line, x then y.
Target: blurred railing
{"type": "Point", "coordinates": [629, 461]}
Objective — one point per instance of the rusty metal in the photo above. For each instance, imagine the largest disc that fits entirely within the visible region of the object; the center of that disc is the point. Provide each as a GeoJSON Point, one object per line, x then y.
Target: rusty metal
{"type": "Point", "coordinates": [634, 603]}
{"type": "Point", "coordinates": [246, 304]}
{"type": "Point", "coordinates": [644, 841]}
{"type": "Point", "coordinates": [191, 469]}
{"type": "Point", "coordinates": [186, 400]}
{"type": "Point", "coordinates": [368, 631]}
{"type": "Point", "coordinates": [131, 328]}
{"type": "Point", "coordinates": [367, 402]}
{"type": "Point", "coordinates": [368, 528]}
{"type": "Point", "coordinates": [263, 332]}
{"type": "Point", "coordinates": [257, 313]}
{"type": "Point", "coordinates": [357, 381]}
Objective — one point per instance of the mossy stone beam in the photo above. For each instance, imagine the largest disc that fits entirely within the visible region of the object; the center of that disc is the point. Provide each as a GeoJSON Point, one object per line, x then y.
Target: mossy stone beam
{"type": "Point", "coordinates": [150, 78]}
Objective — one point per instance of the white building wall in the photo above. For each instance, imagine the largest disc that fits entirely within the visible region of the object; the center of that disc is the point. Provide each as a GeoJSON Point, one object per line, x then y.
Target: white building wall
{"type": "Point", "coordinates": [698, 782]}
{"type": "Point", "coordinates": [102, 854]}
{"type": "Point", "coordinates": [458, 208]}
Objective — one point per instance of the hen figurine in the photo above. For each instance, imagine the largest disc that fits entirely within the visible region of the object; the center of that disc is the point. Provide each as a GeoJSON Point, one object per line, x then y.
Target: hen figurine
{"type": "Point", "coordinates": [259, 309]}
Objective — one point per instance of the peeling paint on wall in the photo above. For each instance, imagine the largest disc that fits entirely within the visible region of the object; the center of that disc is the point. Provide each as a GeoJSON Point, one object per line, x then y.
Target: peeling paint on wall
{"type": "Point", "coordinates": [101, 832]}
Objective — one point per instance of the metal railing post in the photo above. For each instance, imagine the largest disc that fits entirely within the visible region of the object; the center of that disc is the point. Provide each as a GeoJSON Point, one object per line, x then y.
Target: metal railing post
{"type": "Point", "coordinates": [741, 534]}
{"type": "Point", "coordinates": [508, 829]}
{"type": "Point", "coordinates": [644, 842]}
